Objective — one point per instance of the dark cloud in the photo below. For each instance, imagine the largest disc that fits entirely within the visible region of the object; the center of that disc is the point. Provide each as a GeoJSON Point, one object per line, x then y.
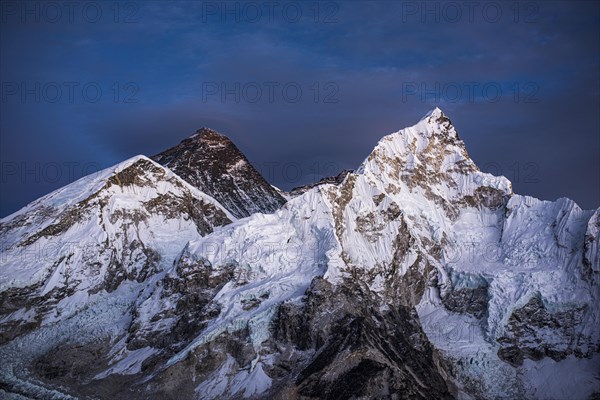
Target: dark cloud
{"type": "Point", "coordinates": [162, 77]}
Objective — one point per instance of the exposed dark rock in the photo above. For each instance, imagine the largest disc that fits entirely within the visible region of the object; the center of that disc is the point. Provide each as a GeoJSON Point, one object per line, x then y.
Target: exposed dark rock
{"type": "Point", "coordinates": [180, 380]}
{"type": "Point", "coordinates": [533, 332]}
{"type": "Point", "coordinates": [15, 328]}
{"type": "Point", "coordinates": [358, 351]}
{"type": "Point", "coordinates": [468, 294]}
{"type": "Point", "coordinates": [211, 162]}
{"type": "Point", "coordinates": [591, 258]}
{"type": "Point", "coordinates": [140, 173]}
{"type": "Point", "coordinates": [191, 289]}
{"type": "Point", "coordinates": [467, 300]}
{"type": "Point", "coordinates": [70, 362]}
{"type": "Point", "coordinates": [485, 196]}
{"type": "Point", "coordinates": [205, 215]}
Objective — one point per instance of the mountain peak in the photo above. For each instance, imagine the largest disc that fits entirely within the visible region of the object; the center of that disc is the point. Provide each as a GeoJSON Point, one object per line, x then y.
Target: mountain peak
{"type": "Point", "coordinates": [207, 133]}
{"type": "Point", "coordinates": [212, 163]}
{"type": "Point", "coordinates": [435, 113]}
{"type": "Point", "coordinates": [435, 125]}
{"type": "Point", "coordinates": [428, 154]}
{"type": "Point", "coordinates": [436, 122]}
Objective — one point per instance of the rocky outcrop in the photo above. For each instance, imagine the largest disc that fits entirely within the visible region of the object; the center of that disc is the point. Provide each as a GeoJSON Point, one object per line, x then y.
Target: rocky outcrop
{"type": "Point", "coordinates": [591, 254]}
{"type": "Point", "coordinates": [467, 294]}
{"type": "Point", "coordinates": [533, 332]}
{"type": "Point", "coordinates": [211, 163]}
{"type": "Point", "coordinates": [187, 293]}
{"type": "Point", "coordinates": [353, 349]}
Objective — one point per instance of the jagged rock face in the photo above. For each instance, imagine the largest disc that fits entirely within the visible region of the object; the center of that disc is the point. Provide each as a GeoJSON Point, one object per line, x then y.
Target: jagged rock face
{"type": "Point", "coordinates": [353, 348]}
{"type": "Point", "coordinates": [591, 256]}
{"type": "Point", "coordinates": [211, 162]}
{"type": "Point", "coordinates": [417, 276]}
{"type": "Point", "coordinates": [533, 332]}
{"type": "Point", "coordinates": [186, 294]}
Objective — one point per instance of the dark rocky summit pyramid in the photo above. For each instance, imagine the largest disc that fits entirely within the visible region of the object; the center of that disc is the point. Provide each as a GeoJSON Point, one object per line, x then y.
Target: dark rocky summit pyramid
{"type": "Point", "coordinates": [213, 164]}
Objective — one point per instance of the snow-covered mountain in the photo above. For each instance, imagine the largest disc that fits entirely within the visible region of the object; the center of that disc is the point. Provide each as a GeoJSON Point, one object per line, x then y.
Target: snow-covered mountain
{"type": "Point", "coordinates": [417, 276]}
{"type": "Point", "coordinates": [211, 162]}
{"type": "Point", "coordinates": [75, 261]}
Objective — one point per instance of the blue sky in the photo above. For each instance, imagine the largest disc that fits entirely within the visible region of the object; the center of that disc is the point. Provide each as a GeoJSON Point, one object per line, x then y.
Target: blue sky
{"type": "Point", "coordinates": [304, 89]}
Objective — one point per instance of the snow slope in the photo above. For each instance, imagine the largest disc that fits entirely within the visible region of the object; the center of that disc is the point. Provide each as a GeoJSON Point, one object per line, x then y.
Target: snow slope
{"type": "Point", "coordinates": [83, 254]}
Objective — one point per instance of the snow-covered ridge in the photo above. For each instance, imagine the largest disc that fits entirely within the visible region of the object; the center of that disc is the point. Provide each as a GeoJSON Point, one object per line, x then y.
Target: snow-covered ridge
{"type": "Point", "coordinates": [430, 149]}
{"type": "Point", "coordinates": [84, 187]}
